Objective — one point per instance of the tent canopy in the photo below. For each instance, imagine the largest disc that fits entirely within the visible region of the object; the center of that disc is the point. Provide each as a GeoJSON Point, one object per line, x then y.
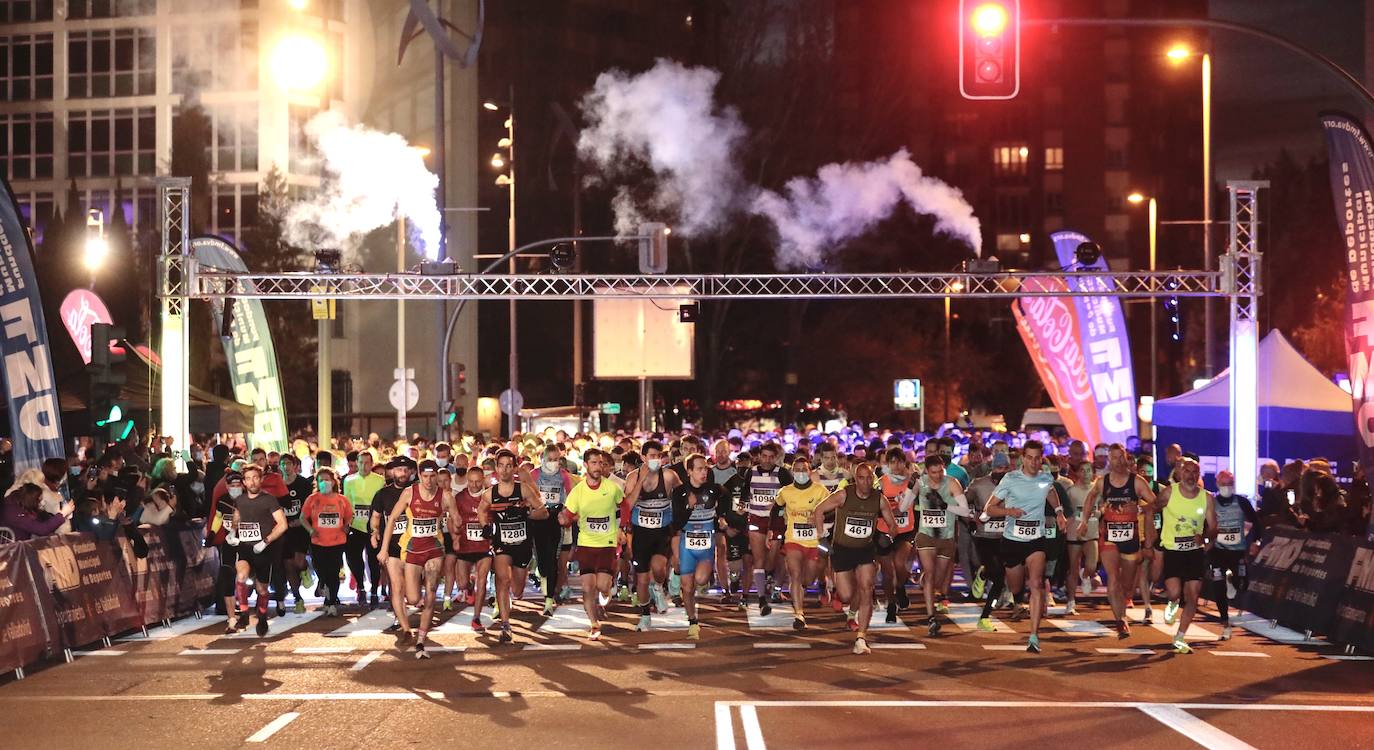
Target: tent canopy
{"type": "Point", "coordinates": [1302, 414]}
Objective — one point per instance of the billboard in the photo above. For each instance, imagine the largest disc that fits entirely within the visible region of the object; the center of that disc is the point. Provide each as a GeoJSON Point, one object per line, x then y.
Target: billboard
{"type": "Point", "coordinates": [641, 338]}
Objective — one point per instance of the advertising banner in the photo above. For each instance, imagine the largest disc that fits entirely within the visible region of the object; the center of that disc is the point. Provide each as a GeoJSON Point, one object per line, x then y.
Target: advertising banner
{"type": "Point", "coordinates": [91, 591]}
{"type": "Point", "coordinates": [80, 308]}
{"type": "Point", "coordinates": [30, 391]}
{"type": "Point", "coordinates": [249, 349]}
{"type": "Point", "coordinates": [1298, 578]}
{"type": "Point", "coordinates": [1351, 158]}
{"type": "Point", "coordinates": [1049, 329]}
{"type": "Point", "coordinates": [1354, 623]}
{"type": "Point", "coordinates": [28, 621]}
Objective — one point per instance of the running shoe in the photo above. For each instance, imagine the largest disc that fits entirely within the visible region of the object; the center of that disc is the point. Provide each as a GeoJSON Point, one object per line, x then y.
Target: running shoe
{"type": "Point", "coordinates": [505, 635]}
{"type": "Point", "coordinates": [392, 628]}
{"type": "Point", "coordinates": [262, 625]}
{"type": "Point", "coordinates": [281, 608]}
{"type": "Point", "coordinates": [861, 647]}
{"type": "Point", "coordinates": [660, 597]}
{"type": "Point", "coordinates": [677, 601]}
{"type": "Point", "coordinates": [942, 606]}
{"type": "Point", "coordinates": [933, 628]}
{"type": "Point", "coordinates": [299, 608]}
{"type": "Point", "coordinates": [836, 604]}
{"type": "Point", "coordinates": [798, 623]}
{"type": "Point", "coordinates": [420, 652]}
{"type": "Point", "coordinates": [477, 626]}
{"type": "Point", "coordinates": [1070, 609]}
{"type": "Point", "coordinates": [1020, 613]}
{"type": "Point", "coordinates": [1149, 617]}
{"type": "Point", "coordinates": [694, 632]}
{"type": "Point", "coordinates": [765, 609]}
{"type": "Point", "coordinates": [602, 599]}
{"type": "Point", "coordinates": [851, 622]}
{"type": "Point", "coordinates": [1226, 632]}
{"type": "Point", "coordinates": [229, 628]}
{"type": "Point", "coordinates": [978, 585]}
{"type": "Point", "coordinates": [374, 600]}
{"type": "Point", "coordinates": [1033, 645]}
{"type": "Point", "coordinates": [634, 600]}
{"type": "Point", "coordinates": [902, 600]}
{"type": "Point", "coordinates": [565, 593]}
{"type": "Point", "coordinates": [307, 580]}
{"type": "Point", "coordinates": [1170, 612]}
{"type": "Point", "coordinates": [242, 622]}
{"type": "Point", "coordinates": [1181, 646]}
{"type": "Point", "coordinates": [644, 624]}
{"type": "Point", "coordinates": [985, 625]}
{"type": "Point", "coordinates": [1231, 592]}
{"type": "Point", "coordinates": [448, 603]}
{"type": "Point", "coordinates": [1123, 630]}
{"type": "Point", "coordinates": [594, 634]}
{"type": "Point", "coordinates": [891, 613]}
{"type": "Point", "coordinates": [1085, 586]}
{"type": "Point", "coordinates": [623, 593]}
{"type": "Point", "coordinates": [548, 606]}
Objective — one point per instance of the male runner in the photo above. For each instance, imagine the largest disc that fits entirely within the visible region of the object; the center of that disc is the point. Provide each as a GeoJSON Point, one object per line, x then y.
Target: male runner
{"type": "Point", "coordinates": [594, 504]}
{"type": "Point", "coordinates": [258, 523]}
{"type": "Point", "coordinates": [697, 507]}
{"type": "Point", "coordinates": [360, 489]}
{"type": "Point", "coordinates": [553, 482]}
{"type": "Point", "coordinates": [1021, 498]}
{"type": "Point", "coordinates": [802, 544]}
{"type": "Point", "coordinates": [1227, 555]}
{"type": "Point", "coordinates": [422, 549]}
{"type": "Point", "coordinates": [382, 503]}
{"type": "Point", "coordinates": [1082, 572]}
{"type": "Point", "coordinates": [474, 543]}
{"type": "Point", "coordinates": [1189, 520]}
{"type": "Point", "coordinates": [296, 543]}
{"type": "Point", "coordinates": [732, 548]}
{"type": "Point", "coordinates": [647, 496]}
{"type": "Point", "coordinates": [895, 560]}
{"type": "Point", "coordinates": [830, 475]}
{"type": "Point", "coordinates": [762, 483]}
{"type": "Point", "coordinates": [1118, 500]}
{"type": "Point", "coordinates": [940, 500]}
{"type": "Point", "coordinates": [987, 538]}
{"type": "Point", "coordinates": [506, 510]}
{"type": "Point", "coordinates": [857, 507]}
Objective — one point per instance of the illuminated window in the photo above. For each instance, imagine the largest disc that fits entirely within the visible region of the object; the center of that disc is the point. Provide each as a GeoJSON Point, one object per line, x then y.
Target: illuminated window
{"type": "Point", "coordinates": [1010, 159]}
{"type": "Point", "coordinates": [1054, 158]}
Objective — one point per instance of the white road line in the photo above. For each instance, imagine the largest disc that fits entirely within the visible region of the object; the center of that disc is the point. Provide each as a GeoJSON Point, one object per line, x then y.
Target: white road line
{"type": "Point", "coordinates": [666, 646]}
{"type": "Point", "coordinates": [753, 733]}
{"type": "Point", "coordinates": [899, 646]}
{"type": "Point", "coordinates": [552, 647]}
{"type": "Point", "coordinates": [274, 726]}
{"type": "Point", "coordinates": [966, 617]}
{"type": "Point", "coordinates": [366, 659]}
{"type": "Point", "coordinates": [370, 623]}
{"type": "Point", "coordinates": [208, 652]}
{"type": "Point", "coordinates": [1347, 657]}
{"type": "Point", "coordinates": [779, 619]}
{"type": "Point", "coordinates": [101, 652]}
{"type": "Point", "coordinates": [1195, 632]}
{"type": "Point", "coordinates": [278, 625]}
{"type": "Point", "coordinates": [1053, 704]}
{"type": "Point", "coordinates": [445, 649]}
{"type": "Point", "coordinates": [180, 627]}
{"type": "Point", "coordinates": [1255, 654]}
{"type": "Point", "coordinates": [1003, 647]}
{"type": "Point", "coordinates": [725, 727]}
{"type": "Point", "coordinates": [1134, 651]}
{"type": "Point", "coordinates": [1090, 628]}
{"type": "Point", "coordinates": [1261, 627]}
{"type": "Point", "coordinates": [323, 650]}
{"type": "Point", "coordinates": [1194, 728]}
{"type": "Point", "coordinates": [781, 644]}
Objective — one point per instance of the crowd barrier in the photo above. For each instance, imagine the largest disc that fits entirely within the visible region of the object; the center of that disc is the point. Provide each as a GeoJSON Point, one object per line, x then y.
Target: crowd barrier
{"type": "Point", "coordinates": [1322, 584]}
{"type": "Point", "coordinates": [65, 592]}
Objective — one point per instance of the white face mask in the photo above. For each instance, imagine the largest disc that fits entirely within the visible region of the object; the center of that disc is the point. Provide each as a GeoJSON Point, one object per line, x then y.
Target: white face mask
{"type": "Point", "coordinates": [653, 464]}
{"type": "Point", "coordinates": [1226, 490]}
{"type": "Point", "coordinates": [442, 462]}
{"type": "Point", "coordinates": [235, 491]}
{"type": "Point", "coordinates": [550, 467]}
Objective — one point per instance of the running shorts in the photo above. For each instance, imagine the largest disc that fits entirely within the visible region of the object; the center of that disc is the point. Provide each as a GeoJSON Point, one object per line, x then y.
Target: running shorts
{"type": "Point", "coordinates": [260, 564]}
{"type": "Point", "coordinates": [845, 559]}
{"type": "Point", "coordinates": [1014, 553]}
{"type": "Point", "coordinates": [1185, 566]}
{"type": "Point", "coordinates": [422, 549]}
{"type": "Point", "coordinates": [1220, 561]}
{"type": "Point", "coordinates": [595, 560]}
{"type": "Point", "coordinates": [519, 554]}
{"type": "Point", "coordinates": [473, 557]}
{"type": "Point", "coordinates": [808, 553]}
{"type": "Point", "coordinates": [296, 541]}
{"type": "Point", "coordinates": [647, 543]}
{"type": "Point", "coordinates": [943, 547]}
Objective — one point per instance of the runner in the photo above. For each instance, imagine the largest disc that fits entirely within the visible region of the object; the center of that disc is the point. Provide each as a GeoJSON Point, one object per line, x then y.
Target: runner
{"type": "Point", "coordinates": [1119, 500]}
{"type": "Point", "coordinates": [647, 495]}
{"type": "Point", "coordinates": [296, 543]}
{"type": "Point", "coordinates": [895, 560]}
{"type": "Point", "coordinates": [987, 538]}
{"type": "Point", "coordinates": [258, 523]}
{"type": "Point", "coordinates": [1151, 556]}
{"type": "Point", "coordinates": [594, 505]}
{"type": "Point", "coordinates": [732, 550]}
{"type": "Point", "coordinates": [224, 496]}
{"type": "Point", "coordinates": [360, 489]}
{"type": "Point", "coordinates": [1081, 575]}
{"type": "Point", "coordinates": [857, 507]}
{"type": "Point", "coordinates": [506, 509]}
{"type": "Point", "coordinates": [326, 517]}
{"type": "Point", "coordinates": [697, 507]}
{"type": "Point", "coordinates": [1021, 497]}
{"type": "Point", "coordinates": [448, 573]}
{"type": "Point", "coordinates": [830, 475]}
{"type": "Point", "coordinates": [762, 483]}
{"type": "Point", "coordinates": [419, 508]}
{"type": "Point", "coordinates": [474, 544]}
{"type": "Point", "coordinates": [1189, 518]}
{"type": "Point", "coordinates": [941, 499]}
{"type": "Point", "coordinates": [553, 482]}
{"type": "Point", "coordinates": [390, 557]}
{"type": "Point", "coordinates": [1227, 555]}
{"type": "Point", "coordinates": [802, 546]}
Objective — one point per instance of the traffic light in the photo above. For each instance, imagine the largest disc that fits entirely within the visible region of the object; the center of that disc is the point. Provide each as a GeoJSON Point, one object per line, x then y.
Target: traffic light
{"type": "Point", "coordinates": [458, 385]}
{"type": "Point", "coordinates": [989, 48]}
{"type": "Point", "coordinates": [653, 247]}
{"type": "Point", "coordinates": [106, 406]}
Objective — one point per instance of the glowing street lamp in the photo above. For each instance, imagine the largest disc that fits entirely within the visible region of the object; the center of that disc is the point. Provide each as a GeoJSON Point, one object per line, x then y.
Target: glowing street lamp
{"type": "Point", "coordinates": [299, 63]}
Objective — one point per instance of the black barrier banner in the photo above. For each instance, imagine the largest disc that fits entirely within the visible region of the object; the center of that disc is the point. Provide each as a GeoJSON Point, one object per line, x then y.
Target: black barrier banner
{"type": "Point", "coordinates": [175, 577]}
{"type": "Point", "coordinates": [28, 622]}
{"type": "Point", "coordinates": [1298, 578]}
{"type": "Point", "coordinates": [91, 591]}
{"type": "Point", "coordinates": [1354, 622]}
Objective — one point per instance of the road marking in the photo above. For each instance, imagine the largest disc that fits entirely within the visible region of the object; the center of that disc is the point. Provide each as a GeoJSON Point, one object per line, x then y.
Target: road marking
{"type": "Point", "coordinates": [1255, 654]}
{"type": "Point", "coordinates": [279, 625]}
{"type": "Point", "coordinates": [1195, 632]}
{"type": "Point", "coordinates": [1347, 657]}
{"type": "Point", "coordinates": [162, 633]}
{"type": "Point", "coordinates": [781, 644]}
{"type": "Point", "coordinates": [274, 726]}
{"type": "Point", "coordinates": [1194, 728]}
{"type": "Point", "coordinates": [966, 617]}
{"type": "Point", "coordinates": [666, 646]}
{"type": "Point", "coordinates": [779, 619]}
{"type": "Point", "coordinates": [725, 727]}
{"type": "Point", "coordinates": [446, 649]}
{"type": "Point", "coordinates": [1004, 647]}
{"type": "Point", "coordinates": [552, 647]}
{"type": "Point", "coordinates": [323, 650]}
{"type": "Point", "coordinates": [899, 646]}
{"type": "Point", "coordinates": [366, 659]}
{"type": "Point", "coordinates": [1135, 651]}
{"type": "Point", "coordinates": [101, 652]}
{"type": "Point", "coordinates": [371, 623]}
{"type": "Point", "coordinates": [208, 652]}
{"type": "Point", "coordinates": [753, 733]}
{"type": "Point", "coordinates": [1261, 627]}
{"type": "Point", "coordinates": [1090, 628]}
{"type": "Point", "coordinates": [1319, 707]}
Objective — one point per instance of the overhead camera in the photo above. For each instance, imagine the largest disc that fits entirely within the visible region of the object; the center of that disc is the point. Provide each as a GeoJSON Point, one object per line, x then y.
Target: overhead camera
{"type": "Point", "coordinates": [1087, 254]}
{"type": "Point", "coordinates": [328, 261]}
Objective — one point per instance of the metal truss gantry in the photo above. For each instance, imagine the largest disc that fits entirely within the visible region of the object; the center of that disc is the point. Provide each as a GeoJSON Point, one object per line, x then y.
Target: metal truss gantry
{"type": "Point", "coordinates": [1242, 278]}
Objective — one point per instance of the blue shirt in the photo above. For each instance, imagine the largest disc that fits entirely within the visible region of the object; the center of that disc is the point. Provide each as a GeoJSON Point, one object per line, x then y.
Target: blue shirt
{"type": "Point", "coordinates": [1027, 493]}
{"type": "Point", "coordinates": [958, 472]}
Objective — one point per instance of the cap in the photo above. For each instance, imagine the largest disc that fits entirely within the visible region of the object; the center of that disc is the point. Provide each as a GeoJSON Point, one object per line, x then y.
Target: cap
{"type": "Point", "coordinates": [428, 466]}
{"type": "Point", "coordinates": [120, 491]}
{"type": "Point", "coordinates": [401, 462]}
{"type": "Point", "coordinates": [233, 477]}
{"type": "Point", "coordinates": [1000, 461]}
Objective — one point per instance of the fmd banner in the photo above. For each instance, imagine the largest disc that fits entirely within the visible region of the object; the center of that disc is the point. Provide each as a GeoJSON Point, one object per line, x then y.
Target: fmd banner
{"type": "Point", "coordinates": [30, 392]}
{"type": "Point", "coordinates": [1352, 188]}
{"type": "Point", "coordinates": [1106, 344]}
{"type": "Point", "coordinates": [252, 357]}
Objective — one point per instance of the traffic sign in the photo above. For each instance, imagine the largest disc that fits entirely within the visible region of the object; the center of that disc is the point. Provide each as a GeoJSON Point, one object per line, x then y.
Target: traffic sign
{"type": "Point", "coordinates": [906, 394]}
{"type": "Point", "coordinates": [511, 402]}
{"type": "Point", "coordinates": [404, 384]}
{"type": "Point", "coordinates": [610, 408]}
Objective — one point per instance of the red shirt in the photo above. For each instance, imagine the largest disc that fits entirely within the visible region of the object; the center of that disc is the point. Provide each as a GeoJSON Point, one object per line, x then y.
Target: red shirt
{"type": "Point", "coordinates": [469, 538]}
{"type": "Point", "coordinates": [330, 516]}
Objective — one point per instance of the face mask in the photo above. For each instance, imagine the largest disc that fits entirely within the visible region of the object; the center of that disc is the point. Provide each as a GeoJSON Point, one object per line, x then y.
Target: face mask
{"type": "Point", "coordinates": [896, 477]}
{"type": "Point", "coordinates": [550, 467]}
{"type": "Point", "coordinates": [74, 471]}
{"type": "Point", "coordinates": [235, 491]}
{"type": "Point", "coordinates": [442, 462]}
{"type": "Point", "coordinates": [1226, 490]}
{"type": "Point", "coordinates": [326, 486]}
{"type": "Point", "coordinates": [801, 480]}
{"type": "Point", "coordinates": [620, 466]}
{"type": "Point", "coordinates": [654, 463]}
{"type": "Point", "coordinates": [198, 488]}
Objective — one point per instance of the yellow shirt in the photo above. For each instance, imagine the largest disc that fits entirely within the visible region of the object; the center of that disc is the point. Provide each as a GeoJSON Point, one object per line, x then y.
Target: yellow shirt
{"type": "Point", "coordinates": [798, 504]}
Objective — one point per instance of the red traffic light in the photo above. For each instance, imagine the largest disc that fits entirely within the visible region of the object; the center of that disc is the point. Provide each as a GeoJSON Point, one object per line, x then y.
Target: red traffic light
{"type": "Point", "coordinates": [989, 48]}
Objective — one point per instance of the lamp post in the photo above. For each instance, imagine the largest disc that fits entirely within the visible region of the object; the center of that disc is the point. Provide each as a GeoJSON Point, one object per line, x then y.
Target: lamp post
{"type": "Point", "coordinates": [97, 247]}
{"type": "Point", "coordinates": [1153, 210]}
{"type": "Point", "coordinates": [1177, 54]}
{"type": "Point", "coordinates": [954, 288]}
{"type": "Point", "coordinates": [507, 180]}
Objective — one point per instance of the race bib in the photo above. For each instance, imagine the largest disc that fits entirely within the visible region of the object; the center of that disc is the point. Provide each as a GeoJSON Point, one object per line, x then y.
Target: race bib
{"type": "Point", "coordinates": [1185, 543]}
{"type": "Point", "coordinates": [329, 521]}
{"type": "Point", "coordinates": [901, 518]}
{"type": "Point", "coordinates": [803, 532]}
{"type": "Point", "coordinates": [512, 533]}
{"type": "Point", "coordinates": [858, 528]}
{"type": "Point", "coordinates": [424, 527]}
{"type": "Point", "coordinates": [399, 527]}
{"type": "Point", "coordinates": [696, 540]}
{"type": "Point", "coordinates": [761, 502]}
{"type": "Point", "coordinates": [1025, 530]}
{"type": "Point", "coordinates": [1120, 532]}
{"type": "Point", "coordinates": [249, 532]}
{"type": "Point", "coordinates": [995, 525]}
{"type": "Point", "coordinates": [600, 525]}
{"type": "Point", "coordinates": [934, 519]}
{"type": "Point", "coordinates": [551, 497]}
{"type": "Point", "coordinates": [1228, 536]}
{"type": "Point", "coordinates": [650, 519]}
{"type": "Point", "coordinates": [362, 512]}
{"type": "Point", "coordinates": [1051, 531]}
{"type": "Point", "coordinates": [473, 531]}
{"type": "Point", "coordinates": [566, 537]}
{"type": "Point", "coordinates": [1159, 522]}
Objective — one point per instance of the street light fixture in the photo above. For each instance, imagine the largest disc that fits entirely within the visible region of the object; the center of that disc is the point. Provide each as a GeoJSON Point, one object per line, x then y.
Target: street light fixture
{"type": "Point", "coordinates": [1137, 198]}
{"type": "Point", "coordinates": [497, 161]}
{"type": "Point", "coordinates": [507, 180]}
{"type": "Point", "coordinates": [490, 106]}
{"type": "Point", "coordinates": [1177, 54]}
{"type": "Point", "coordinates": [299, 63]}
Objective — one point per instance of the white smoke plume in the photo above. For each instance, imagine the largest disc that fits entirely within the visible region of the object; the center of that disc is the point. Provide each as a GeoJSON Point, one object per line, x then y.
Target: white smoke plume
{"type": "Point", "coordinates": [665, 119]}
{"type": "Point", "coordinates": [369, 180]}
{"type": "Point", "coordinates": [817, 214]}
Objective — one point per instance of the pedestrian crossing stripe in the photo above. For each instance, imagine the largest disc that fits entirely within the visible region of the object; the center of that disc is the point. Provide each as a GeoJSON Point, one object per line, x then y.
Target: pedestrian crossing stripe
{"type": "Point", "coordinates": [781, 619]}
{"type": "Point", "coordinates": [1195, 632]}
{"type": "Point", "coordinates": [370, 623]}
{"type": "Point", "coordinates": [1126, 651]}
{"type": "Point", "coordinates": [279, 625]}
{"type": "Point", "coordinates": [966, 617]}
{"type": "Point", "coordinates": [1089, 628]}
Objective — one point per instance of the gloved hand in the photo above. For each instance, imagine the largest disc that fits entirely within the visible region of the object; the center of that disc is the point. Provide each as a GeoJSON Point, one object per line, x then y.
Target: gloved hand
{"type": "Point", "coordinates": [259, 548]}
{"type": "Point", "coordinates": [232, 539]}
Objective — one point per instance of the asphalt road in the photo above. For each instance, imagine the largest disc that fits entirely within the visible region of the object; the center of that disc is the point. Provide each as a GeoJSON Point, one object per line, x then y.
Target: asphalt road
{"type": "Point", "coordinates": [322, 683]}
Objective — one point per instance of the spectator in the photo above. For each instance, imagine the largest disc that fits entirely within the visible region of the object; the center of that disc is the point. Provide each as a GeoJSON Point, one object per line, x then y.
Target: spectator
{"type": "Point", "coordinates": [107, 516]}
{"type": "Point", "coordinates": [1323, 504]}
{"type": "Point", "coordinates": [50, 478]}
{"type": "Point", "coordinates": [1279, 504]}
{"type": "Point", "coordinates": [22, 517]}
{"type": "Point", "coordinates": [219, 463]}
{"type": "Point", "coordinates": [158, 508]}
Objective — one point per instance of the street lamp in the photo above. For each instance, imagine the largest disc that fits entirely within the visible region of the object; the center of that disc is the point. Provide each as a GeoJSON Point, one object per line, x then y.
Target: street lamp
{"type": "Point", "coordinates": [97, 247]}
{"type": "Point", "coordinates": [299, 63]}
{"type": "Point", "coordinates": [1178, 54]}
{"type": "Point", "coordinates": [953, 288]}
{"type": "Point", "coordinates": [1137, 198]}
{"type": "Point", "coordinates": [507, 180]}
